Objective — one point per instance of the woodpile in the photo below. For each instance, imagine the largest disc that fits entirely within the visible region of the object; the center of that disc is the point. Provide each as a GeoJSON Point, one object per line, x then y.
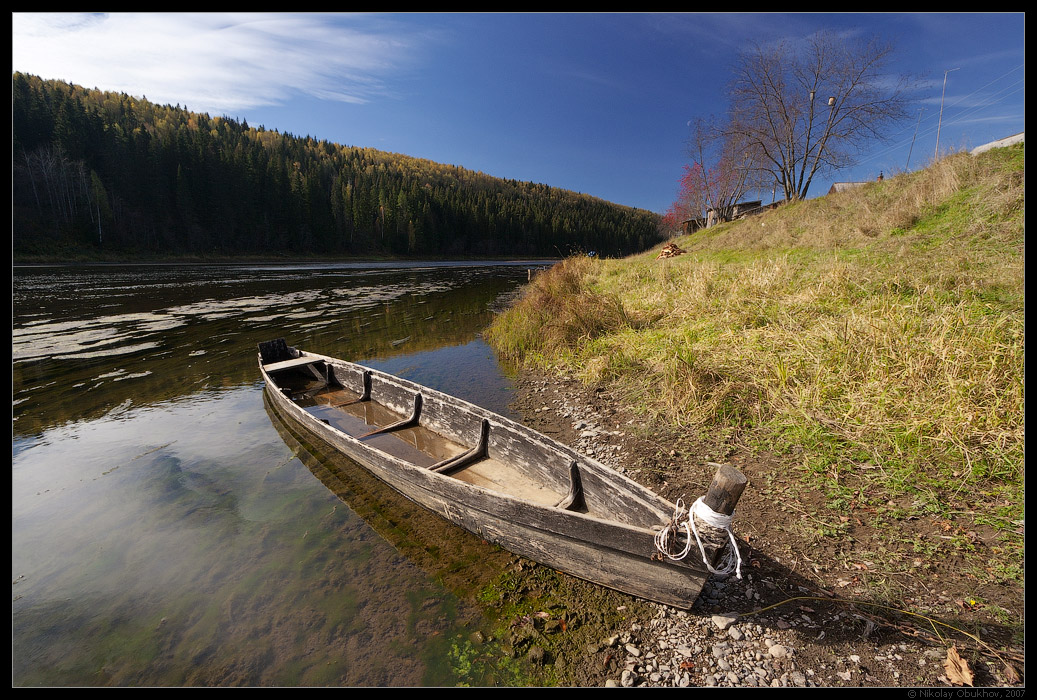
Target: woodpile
{"type": "Point", "coordinates": [670, 250]}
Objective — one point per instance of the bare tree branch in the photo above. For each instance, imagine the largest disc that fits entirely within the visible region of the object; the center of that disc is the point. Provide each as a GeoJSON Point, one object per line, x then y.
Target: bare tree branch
{"type": "Point", "coordinates": [811, 110]}
{"type": "Point", "coordinates": [723, 168]}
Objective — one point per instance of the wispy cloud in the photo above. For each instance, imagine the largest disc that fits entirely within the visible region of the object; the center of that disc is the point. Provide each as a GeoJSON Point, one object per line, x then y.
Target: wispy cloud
{"type": "Point", "coordinates": [732, 31]}
{"type": "Point", "coordinates": [215, 62]}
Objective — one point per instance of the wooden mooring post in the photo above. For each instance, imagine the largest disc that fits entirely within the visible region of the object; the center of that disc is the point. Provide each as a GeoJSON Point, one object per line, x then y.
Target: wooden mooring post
{"type": "Point", "coordinates": [721, 497]}
{"type": "Point", "coordinates": [723, 494]}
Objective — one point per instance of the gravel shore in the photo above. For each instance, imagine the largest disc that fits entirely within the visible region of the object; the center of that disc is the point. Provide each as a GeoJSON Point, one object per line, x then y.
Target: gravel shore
{"type": "Point", "coordinates": [681, 649]}
{"type": "Point", "coordinates": [772, 627]}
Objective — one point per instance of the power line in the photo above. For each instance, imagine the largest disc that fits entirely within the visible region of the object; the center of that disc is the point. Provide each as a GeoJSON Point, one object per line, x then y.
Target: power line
{"type": "Point", "coordinates": [958, 118]}
{"type": "Point", "coordinates": [960, 99]}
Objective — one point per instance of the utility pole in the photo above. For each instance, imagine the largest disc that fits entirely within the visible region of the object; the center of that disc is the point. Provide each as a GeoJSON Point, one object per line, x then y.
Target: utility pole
{"type": "Point", "coordinates": [940, 123]}
{"type": "Point", "coordinates": [913, 139]}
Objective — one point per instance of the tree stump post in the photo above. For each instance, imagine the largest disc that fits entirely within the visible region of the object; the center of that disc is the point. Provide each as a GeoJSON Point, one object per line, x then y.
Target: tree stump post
{"type": "Point", "coordinates": [721, 497]}
{"type": "Point", "coordinates": [723, 494]}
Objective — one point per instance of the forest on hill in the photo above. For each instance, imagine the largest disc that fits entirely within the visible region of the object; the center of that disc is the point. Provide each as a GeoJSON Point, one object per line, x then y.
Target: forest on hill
{"type": "Point", "coordinates": [101, 173]}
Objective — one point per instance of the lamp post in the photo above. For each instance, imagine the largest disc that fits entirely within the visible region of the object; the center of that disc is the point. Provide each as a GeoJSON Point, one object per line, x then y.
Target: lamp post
{"type": "Point", "coordinates": [824, 137]}
{"type": "Point", "coordinates": [940, 122]}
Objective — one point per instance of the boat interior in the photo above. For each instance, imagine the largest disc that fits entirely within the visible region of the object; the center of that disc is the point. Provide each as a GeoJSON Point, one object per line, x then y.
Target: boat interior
{"type": "Point", "coordinates": [426, 429]}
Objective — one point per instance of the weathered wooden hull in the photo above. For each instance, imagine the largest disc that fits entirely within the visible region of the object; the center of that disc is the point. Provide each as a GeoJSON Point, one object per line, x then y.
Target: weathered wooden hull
{"type": "Point", "coordinates": [604, 533]}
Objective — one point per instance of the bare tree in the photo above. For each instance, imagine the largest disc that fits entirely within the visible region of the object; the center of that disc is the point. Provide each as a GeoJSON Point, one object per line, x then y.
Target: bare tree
{"type": "Point", "coordinates": [723, 169]}
{"type": "Point", "coordinates": [812, 107]}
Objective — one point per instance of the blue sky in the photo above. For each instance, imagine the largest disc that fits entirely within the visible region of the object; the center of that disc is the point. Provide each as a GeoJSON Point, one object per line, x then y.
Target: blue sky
{"type": "Point", "coordinates": [593, 102]}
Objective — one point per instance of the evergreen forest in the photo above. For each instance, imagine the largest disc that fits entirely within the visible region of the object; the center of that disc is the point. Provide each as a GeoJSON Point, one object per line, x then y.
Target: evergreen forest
{"type": "Point", "coordinates": [101, 173]}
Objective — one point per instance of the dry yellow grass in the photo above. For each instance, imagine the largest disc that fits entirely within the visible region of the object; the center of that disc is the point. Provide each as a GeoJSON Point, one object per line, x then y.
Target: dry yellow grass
{"type": "Point", "coordinates": [881, 328]}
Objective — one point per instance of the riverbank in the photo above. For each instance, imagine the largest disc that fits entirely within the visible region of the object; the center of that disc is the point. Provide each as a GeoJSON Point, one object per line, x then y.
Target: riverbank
{"type": "Point", "coordinates": [806, 612]}
{"type": "Point", "coordinates": [861, 358]}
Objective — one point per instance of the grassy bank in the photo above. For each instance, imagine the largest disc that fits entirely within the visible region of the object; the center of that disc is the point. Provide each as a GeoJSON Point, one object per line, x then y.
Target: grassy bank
{"type": "Point", "coordinates": [873, 339]}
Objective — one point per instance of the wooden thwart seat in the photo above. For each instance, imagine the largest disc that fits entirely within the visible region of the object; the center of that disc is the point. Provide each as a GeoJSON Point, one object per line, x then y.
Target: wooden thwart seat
{"type": "Point", "coordinates": [276, 356]}
{"type": "Point", "coordinates": [289, 364]}
{"type": "Point", "coordinates": [399, 425]}
{"type": "Point", "coordinates": [575, 495]}
{"type": "Point", "coordinates": [465, 458]}
{"type": "Point", "coordinates": [366, 396]}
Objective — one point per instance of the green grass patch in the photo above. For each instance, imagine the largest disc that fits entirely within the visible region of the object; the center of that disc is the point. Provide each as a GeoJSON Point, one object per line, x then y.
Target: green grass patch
{"type": "Point", "coordinates": [880, 331]}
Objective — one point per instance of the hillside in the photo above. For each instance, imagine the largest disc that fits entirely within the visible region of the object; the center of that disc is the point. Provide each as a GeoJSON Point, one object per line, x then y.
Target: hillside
{"type": "Point", "coordinates": [860, 357]}
{"type": "Point", "coordinates": [102, 174]}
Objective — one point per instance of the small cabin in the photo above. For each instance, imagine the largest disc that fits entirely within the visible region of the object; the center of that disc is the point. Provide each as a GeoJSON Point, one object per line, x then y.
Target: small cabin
{"type": "Point", "coordinates": [746, 208]}
{"type": "Point", "coordinates": [711, 219]}
{"type": "Point", "coordinates": [692, 225]}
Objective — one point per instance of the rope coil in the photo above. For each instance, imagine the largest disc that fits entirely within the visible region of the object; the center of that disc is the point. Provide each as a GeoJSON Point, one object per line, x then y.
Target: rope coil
{"type": "Point", "coordinates": [686, 520]}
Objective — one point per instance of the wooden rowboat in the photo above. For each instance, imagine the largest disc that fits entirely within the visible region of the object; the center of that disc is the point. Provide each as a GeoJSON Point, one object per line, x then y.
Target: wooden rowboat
{"type": "Point", "coordinates": [502, 481]}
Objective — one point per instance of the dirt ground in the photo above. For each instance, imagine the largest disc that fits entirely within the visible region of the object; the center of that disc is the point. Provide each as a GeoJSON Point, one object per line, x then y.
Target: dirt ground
{"type": "Point", "coordinates": [844, 590]}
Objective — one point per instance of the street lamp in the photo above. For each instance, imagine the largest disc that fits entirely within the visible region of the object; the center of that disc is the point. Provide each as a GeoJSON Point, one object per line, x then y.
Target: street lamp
{"type": "Point", "coordinates": [940, 122]}
{"type": "Point", "coordinates": [828, 126]}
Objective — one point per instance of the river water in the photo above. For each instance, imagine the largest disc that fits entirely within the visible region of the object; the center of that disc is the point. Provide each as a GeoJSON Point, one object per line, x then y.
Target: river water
{"type": "Point", "coordinates": [168, 529]}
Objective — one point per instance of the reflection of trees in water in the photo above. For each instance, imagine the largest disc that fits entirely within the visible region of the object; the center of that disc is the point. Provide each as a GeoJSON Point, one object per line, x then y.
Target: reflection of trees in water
{"type": "Point", "coordinates": [423, 323]}
{"type": "Point", "coordinates": [214, 350]}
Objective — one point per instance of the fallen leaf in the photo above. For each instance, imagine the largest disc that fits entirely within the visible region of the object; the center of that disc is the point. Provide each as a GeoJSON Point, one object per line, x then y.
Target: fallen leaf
{"type": "Point", "coordinates": [958, 671]}
{"type": "Point", "coordinates": [1011, 675]}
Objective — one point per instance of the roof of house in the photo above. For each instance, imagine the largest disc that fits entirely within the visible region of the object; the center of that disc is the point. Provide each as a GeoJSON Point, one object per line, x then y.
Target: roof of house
{"type": "Point", "coordinates": [842, 186]}
{"type": "Point", "coordinates": [1000, 143]}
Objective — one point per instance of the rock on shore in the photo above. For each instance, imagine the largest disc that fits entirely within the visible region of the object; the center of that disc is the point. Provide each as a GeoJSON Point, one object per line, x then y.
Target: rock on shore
{"type": "Point", "coordinates": [764, 630]}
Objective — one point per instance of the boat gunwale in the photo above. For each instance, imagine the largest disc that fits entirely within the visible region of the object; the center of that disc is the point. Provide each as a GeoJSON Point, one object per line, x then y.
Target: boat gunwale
{"type": "Point", "coordinates": [656, 505]}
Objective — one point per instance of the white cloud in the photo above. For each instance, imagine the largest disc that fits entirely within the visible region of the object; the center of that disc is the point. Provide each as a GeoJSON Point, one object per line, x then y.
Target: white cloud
{"type": "Point", "coordinates": [214, 62]}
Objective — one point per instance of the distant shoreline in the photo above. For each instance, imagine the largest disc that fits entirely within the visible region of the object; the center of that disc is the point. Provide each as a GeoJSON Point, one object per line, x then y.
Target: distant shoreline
{"type": "Point", "coordinates": [231, 260]}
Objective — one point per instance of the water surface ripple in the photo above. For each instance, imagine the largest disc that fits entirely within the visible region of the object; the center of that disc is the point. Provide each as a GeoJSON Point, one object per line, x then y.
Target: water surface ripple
{"type": "Point", "coordinates": [168, 530]}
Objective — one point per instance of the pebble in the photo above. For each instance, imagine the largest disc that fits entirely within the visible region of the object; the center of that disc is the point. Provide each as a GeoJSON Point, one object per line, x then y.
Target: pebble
{"type": "Point", "coordinates": [678, 649]}
{"type": "Point", "coordinates": [698, 648]}
{"type": "Point", "coordinates": [683, 650]}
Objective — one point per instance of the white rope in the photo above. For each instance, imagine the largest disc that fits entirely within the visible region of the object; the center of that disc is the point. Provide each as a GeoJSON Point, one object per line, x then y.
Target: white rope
{"type": "Point", "coordinates": [662, 538]}
{"type": "Point", "coordinates": [733, 557]}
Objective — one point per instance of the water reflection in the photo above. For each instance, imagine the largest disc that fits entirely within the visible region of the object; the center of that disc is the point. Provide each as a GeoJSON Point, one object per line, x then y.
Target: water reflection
{"type": "Point", "coordinates": [194, 560]}
{"type": "Point", "coordinates": [86, 340]}
{"type": "Point", "coordinates": [164, 532]}
{"type": "Point", "coordinates": [450, 555]}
